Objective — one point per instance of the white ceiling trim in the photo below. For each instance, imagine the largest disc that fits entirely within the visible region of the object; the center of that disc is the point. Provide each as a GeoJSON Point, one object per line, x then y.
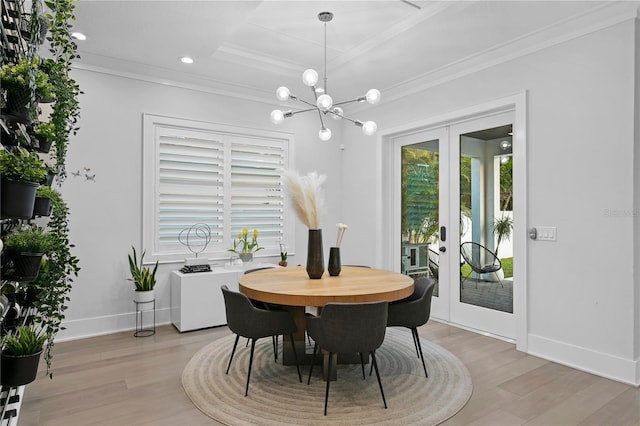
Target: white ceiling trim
{"type": "Point", "coordinates": [568, 29]}
{"type": "Point", "coordinates": [397, 29]}
{"type": "Point", "coordinates": [250, 58]}
{"type": "Point", "coordinates": [577, 26]}
{"type": "Point", "coordinates": [214, 87]}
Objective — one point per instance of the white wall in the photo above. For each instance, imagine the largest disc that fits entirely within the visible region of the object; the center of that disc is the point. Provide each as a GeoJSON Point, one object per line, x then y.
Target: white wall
{"type": "Point", "coordinates": [582, 300]}
{"type": "Point", "coordinates": [106, 216]}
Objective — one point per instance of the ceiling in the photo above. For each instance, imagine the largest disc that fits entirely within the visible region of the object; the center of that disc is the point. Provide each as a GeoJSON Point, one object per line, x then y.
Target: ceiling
{"type": "Point", "coordinates": [249, 48]}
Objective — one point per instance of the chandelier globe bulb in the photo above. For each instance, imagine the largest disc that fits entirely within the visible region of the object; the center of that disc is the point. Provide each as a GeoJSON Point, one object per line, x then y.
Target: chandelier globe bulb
{"type": "Point", "coordinates": [277, 116]}
{"type": "Point", "coordinates": [310, 77]}
{"type": "Point", "coordinates": [324, 134]}
{"type": "Point", "coordinates": [282, 93]}
{"type": "Point", "coordinates": [369, 128]}
{"type": "Point", "coordinates": [373, 96]}
{"type": "Point", "coordinates": [324, 102]}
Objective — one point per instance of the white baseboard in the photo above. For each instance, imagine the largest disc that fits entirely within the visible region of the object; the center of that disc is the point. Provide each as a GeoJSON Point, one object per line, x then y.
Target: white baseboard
{"type": "Point", "coordinates": [98, 326]}
{"type": "Point", "coordinates": [599, 363]}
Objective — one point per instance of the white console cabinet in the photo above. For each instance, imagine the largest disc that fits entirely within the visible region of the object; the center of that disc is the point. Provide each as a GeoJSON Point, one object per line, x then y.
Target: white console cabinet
{"type": "Point", "coordinates": [196, 298]}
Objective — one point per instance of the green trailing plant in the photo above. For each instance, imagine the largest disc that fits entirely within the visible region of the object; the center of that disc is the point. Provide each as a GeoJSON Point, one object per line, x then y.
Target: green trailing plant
{"type": "Point", "coordinates": [22, 165]}
{"type": "Point", "coordinates": [30, 240]}
{"type": "Point", "coordinates": [502, 228]}
{"type": "Point", "coordinates": [26, 340]}
{"type": "Point", "coordinates": [143, 278]}
{"type": "Point", "coordinates": [60, 270]}
{"type": "Point", "coordinates": [66, 110]}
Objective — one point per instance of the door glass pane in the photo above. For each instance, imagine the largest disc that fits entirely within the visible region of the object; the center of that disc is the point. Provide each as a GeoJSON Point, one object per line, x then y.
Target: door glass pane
{"type": "Point", "coordinates": [486, 218]}
{"type": "Point", "coordinates": [420, 204]}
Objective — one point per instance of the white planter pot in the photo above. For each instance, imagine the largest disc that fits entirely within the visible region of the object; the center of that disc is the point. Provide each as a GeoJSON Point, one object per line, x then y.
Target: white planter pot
{"type": "Point", "coordinates": [144, 296]}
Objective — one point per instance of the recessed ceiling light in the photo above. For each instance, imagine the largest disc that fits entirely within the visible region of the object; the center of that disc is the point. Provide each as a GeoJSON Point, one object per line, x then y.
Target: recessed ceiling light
{"type": "Point", "coordinates": [78, 36]}
{"type": "Point", "coordinates": [186, 60]}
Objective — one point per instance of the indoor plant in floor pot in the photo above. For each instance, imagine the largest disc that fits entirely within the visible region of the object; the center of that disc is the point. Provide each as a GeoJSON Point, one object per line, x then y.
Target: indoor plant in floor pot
{"type": "Point", "coordinates": [143, 278]}
{"type": "Point", "coordinates": [21, 355]}
{"type": "Point", "coordinates": [21, 173]}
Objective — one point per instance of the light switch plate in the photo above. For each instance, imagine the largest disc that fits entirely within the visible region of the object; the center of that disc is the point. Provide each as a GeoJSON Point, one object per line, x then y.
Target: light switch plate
{"type": "Point", "coordinates": [546, 233]}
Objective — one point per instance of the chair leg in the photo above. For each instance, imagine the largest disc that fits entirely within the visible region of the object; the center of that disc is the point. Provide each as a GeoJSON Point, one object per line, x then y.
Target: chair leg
{"type": "Point", "coordinates": [499, 280]}
{"type": "Point", "coordinates": [415, 342]}
{"type": "Point", "coordinates": [326, 394]}
{"type": "Point", "coordinates": [233, 351]}
{"type": "Point", "coordinates": [362, 364]}
{"type": "Point", "coordinates": [274, 340]}
{"type": "Point", "coordinates": [417, 337]}
{"type": "Point", "coordinates": [253, 346]}
{"type": "Point", "coordinates": [295, 356]}
{"type": "Point", "coordinates": [375, 365]}
{"type": "Point", "coordinates": [313, 361]}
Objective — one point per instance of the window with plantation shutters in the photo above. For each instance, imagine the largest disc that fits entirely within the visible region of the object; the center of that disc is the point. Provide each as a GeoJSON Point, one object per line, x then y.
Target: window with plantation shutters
{"type": "Point", "coordinates": [216, 177]}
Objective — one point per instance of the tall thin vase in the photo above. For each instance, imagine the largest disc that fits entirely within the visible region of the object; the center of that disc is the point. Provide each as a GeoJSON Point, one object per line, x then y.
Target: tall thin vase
{"type": "Point", "coordinates": [335, 266]}
{"type": "Point", "coordinates": [315, 257]}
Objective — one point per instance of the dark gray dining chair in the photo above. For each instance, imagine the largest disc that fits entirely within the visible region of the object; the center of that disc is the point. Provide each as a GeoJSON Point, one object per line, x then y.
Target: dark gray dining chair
{"type": "Point", "coordinates": [246, 320]}
{"type": "Point", "coordinates": [268, 306]}
{"type": "Point", "coordinates": [348, 328]}
{"type": "Point", "coordinates": [413, 311]}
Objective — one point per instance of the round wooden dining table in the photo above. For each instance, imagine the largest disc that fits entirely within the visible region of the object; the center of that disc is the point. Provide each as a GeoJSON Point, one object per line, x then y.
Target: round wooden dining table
{"type": "Point", "coordinates": [292, 288]}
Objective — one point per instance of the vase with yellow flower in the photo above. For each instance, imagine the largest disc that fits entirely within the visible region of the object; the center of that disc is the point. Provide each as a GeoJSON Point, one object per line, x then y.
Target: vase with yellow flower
{"type": "Point", "coordinates": [244, 246]}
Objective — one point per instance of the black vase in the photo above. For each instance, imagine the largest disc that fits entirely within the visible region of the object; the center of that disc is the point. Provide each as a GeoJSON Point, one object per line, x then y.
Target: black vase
{"type": "Point", "coordinates": [315, 257]}
{"type": "Point", "coordinates": [335, 266]}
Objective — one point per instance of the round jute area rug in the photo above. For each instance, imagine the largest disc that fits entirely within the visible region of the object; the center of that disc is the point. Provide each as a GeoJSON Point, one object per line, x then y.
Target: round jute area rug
{"type": "Point", "coordinates": [276, 395]}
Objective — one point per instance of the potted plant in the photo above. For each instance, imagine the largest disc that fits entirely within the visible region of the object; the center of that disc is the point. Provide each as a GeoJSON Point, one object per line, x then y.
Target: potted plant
{"type": "Point", "coordinates": [21, 355]}
{"type": "Point", "coordinates": [44, 197]}
{"type": "Point", "coordinates": [18, 79]}
{"type": "Point", "coordinates": [24, 249]}
{"type": "Point", "coordinates": [283, 259]}
{"type": "Point", "coordinates": [143, 278]}
{"type": "Point", "coordinates": [20, 174]}
{"type": "Point", "coordinates": [502, 228]}
{"type": "Point", "coordinates": [45, 134]}
{"type": "Point", "coordinates": [245, 247]}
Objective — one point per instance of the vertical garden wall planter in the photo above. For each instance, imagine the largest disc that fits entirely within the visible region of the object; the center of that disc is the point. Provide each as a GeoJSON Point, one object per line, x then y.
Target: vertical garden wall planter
{"type": "Point", "coordinates": [17, 199]}
{"type": "Point", "coordinates": [18, 370]}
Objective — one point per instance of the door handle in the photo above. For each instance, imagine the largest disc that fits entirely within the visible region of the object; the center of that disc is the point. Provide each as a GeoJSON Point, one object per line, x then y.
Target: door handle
{"type": "Point", "coordinates": [442, 249]}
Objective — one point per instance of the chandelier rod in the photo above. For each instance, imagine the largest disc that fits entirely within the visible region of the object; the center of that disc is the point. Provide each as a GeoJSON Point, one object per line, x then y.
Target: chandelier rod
{"type": "Point", "coordinates": [326, 90]}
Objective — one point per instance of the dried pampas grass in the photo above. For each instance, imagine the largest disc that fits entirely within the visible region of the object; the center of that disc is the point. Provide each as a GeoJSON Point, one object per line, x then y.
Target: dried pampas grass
{"type": "Point", "coordinates": [306, 196]}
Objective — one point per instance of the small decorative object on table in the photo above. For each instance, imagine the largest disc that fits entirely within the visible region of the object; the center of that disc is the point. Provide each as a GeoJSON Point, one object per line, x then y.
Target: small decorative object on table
{"type": "Point", "coordinates": [196, 238]}
{"type": "Point", "coordinates": [334, 253]}
{"type": "Point", "coordinates": [306, 196]}
{"type": "Point", "coordinates": [283, 256]}
{"type": "Point", "coordinates": [245, 248]}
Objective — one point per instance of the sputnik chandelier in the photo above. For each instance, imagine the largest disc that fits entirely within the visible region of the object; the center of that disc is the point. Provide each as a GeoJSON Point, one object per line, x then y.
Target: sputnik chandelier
{"type": "Point", "coordinates": [323, 102]}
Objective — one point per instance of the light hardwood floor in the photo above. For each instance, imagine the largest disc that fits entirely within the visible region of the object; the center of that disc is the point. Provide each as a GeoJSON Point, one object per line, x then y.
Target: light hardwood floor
{"type": "Point", "coordinates": [122, 380]}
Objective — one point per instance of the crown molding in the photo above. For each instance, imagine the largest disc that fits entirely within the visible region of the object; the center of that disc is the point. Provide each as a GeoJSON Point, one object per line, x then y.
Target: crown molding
{"type": "Point", "coordinates": [600, 17]}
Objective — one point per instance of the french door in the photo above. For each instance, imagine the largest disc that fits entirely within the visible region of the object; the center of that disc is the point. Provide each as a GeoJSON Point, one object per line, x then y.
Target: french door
{"type": "Point", "coordinates": [456, 198]}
